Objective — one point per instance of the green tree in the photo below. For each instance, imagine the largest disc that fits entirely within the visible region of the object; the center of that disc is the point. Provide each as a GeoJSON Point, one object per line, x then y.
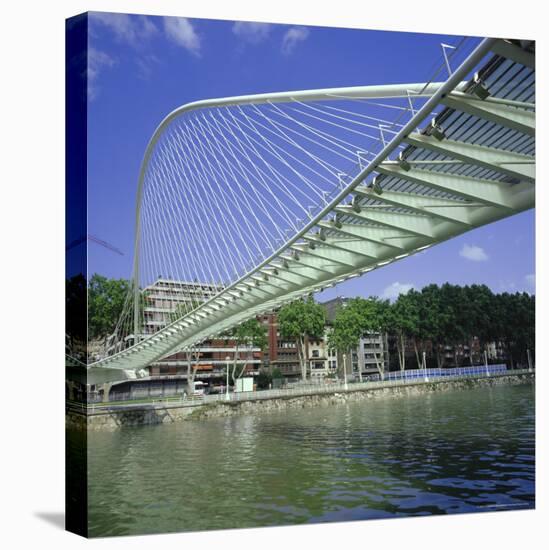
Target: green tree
{"type": "Point", "coordinates": [264, 379]}
{"type": "Point", "coordinates": [277, 373]}
{"type": "Point", "coordinates": [192, 355]}
{"type": "Point", "coordinates": [376, 318]}
{"type": "Point", "coordinates": [477, 316]}
{"type": "Point", "coordinates": [299, 321]}
{"type": "Point", "coordinates": [404, 322]}
{"type": "Point", "coordinates": [355, 318]}
{"type": "Point", "coordinates": [106, 298]}
{"type": "Point", "coordinates": [432, 318]}
{"type": "Point", "coordinates": [515, 324]}
{"type": "Point", "coordinates": [249, 334]}
{"type": "Point", "coordinates": [454, 320]}
{"type": "Point", "coordinates": [346, 331]}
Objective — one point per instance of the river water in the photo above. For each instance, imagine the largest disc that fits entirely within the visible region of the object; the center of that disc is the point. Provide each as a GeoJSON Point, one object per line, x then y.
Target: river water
{"type": "Point", "coordinates": [459, 451]}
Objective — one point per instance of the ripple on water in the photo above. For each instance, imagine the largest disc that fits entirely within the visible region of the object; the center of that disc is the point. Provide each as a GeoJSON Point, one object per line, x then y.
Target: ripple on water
{"type": "Point", "coordinates": [444, 453]}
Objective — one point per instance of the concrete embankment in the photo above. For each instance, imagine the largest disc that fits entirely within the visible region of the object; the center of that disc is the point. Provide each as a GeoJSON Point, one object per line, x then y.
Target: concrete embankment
{"type": "Point", "coordinates": [114, 417]}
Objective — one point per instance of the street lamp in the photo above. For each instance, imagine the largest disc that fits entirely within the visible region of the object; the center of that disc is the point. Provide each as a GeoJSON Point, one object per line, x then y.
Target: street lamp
{"type": "Point", "coordinates": [345, 370]}
{"type": "Point", "coordinates": [227, 396]}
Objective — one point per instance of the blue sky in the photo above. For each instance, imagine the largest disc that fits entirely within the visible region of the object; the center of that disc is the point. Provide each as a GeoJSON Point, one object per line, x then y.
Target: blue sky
{"type": "Point", "coordinates": [141, 68]}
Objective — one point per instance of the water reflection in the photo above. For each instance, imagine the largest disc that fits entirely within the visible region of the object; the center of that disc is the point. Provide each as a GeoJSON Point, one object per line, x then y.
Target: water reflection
{"type": "Point", "coordinates": [442, 453]}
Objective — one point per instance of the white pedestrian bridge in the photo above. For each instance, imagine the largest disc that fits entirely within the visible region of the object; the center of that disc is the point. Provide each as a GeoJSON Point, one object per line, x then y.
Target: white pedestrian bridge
{"type": "Point", "coordinates": [267, 198]}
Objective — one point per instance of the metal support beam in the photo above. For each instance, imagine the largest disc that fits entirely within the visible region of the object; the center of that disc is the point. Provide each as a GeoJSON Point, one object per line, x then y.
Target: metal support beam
{"type": "Point", "coordinates": [491, 192]}
{"type": "Point", "coordinates": [410, 223]}
{"type": "Point", "coordinates": [311, 263]}
{"type": "Point", "coordinates": [287, 276]}
{"type": "Point", "coordinates": [494, 111]}
{"type": "Point", "coordinates": [515, 165]}
{"type": "Point", "coordinates": [445, 209]}
{"type": "Point", "coordinates": [396, 240]}
{"type": "Point", "coordinates": [310, 275]}
{"type": "Point", "coordinates": [355, 246]}
{"type": "Point", "coordinates": [331, 257]}
{"type": "Point", "coordinates": [515, 53]}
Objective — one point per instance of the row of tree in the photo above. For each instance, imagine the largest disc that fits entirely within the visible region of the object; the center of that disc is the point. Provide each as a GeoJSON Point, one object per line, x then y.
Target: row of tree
{"type": "Point", "coordinates": [427, 321]}
{"type": "Point", "coordinates": [452, 315]}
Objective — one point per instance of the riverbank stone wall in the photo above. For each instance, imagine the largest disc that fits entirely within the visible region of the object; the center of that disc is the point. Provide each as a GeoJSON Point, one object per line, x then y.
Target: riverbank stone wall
{"type": "Point", "coordinates": [159, 414]}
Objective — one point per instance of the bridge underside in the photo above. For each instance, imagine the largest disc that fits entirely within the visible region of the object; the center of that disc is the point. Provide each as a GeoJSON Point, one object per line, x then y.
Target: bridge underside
{"type": "Point", "coordinates": [472, 165]}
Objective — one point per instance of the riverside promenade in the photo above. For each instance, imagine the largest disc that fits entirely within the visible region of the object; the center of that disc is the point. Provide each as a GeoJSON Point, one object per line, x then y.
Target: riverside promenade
{"type": "Point", "coordinates": [173, 409]}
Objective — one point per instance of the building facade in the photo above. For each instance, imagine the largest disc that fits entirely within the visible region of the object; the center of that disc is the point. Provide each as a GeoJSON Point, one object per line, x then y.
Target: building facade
{"type": "Point", "coordinates": [281, 353]}
{"type": "Point", "coordinates": [163, 302]}
{"type": "Point", "coordinates": [165, 299]}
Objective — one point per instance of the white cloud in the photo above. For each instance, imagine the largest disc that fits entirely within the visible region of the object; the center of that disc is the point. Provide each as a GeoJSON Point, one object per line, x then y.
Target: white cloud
{"type": "Point", "coordinates": [292, 37]}
{"type": "Point", "coordinates": [393, 291]}
{"type": "Point", "coordinates": [146, 64]}
{"type": "Point", "coordinates": [181, 31]}
{"type": "Point", "coordinates": [97, 60]}
{"type": "Point", "coordinates": [131, 29]}
{"type": "Point", "coordinates": [473, 253]}
{"type": "Point", "coordinates": [252, 32]}
{"type": "Point", "coordinates": [530, 282]}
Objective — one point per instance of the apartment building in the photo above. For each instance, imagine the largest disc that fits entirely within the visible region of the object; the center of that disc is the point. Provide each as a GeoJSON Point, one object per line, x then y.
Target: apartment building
{"type": "Point", "coordinates": [166, 299]}
{"type": "Point", "coordinates": [210, 360]}
{"type": "Point", "coordinates": [280, 353]}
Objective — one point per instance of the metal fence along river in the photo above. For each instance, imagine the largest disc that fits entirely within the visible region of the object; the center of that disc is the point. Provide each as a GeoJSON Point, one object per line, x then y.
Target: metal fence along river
{"type": "Point", "coordinates": [398, 378]}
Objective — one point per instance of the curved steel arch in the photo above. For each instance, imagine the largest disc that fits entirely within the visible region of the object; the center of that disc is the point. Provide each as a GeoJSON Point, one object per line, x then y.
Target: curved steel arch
{"type": "Point", "coordinates": [362, 92]}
